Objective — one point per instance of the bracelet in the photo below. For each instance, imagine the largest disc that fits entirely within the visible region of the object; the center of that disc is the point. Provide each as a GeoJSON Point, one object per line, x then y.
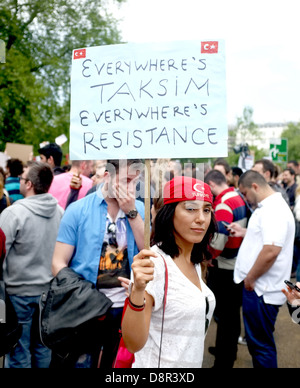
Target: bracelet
{"type": "Point", "coordinates": [135, 307]}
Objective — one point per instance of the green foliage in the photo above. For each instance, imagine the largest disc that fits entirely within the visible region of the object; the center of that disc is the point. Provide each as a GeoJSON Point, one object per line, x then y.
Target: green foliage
{"type": "Point", "coordinates": [245, 128]}
{"type": "Point", "coordinates": [35, 80]}
{"type": "Point", "coordinates": [292, 133]}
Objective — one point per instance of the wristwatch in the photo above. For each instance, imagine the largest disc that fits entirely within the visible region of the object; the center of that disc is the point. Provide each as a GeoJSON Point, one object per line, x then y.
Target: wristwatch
{"type": "Point", "coordinates": [132, 214]}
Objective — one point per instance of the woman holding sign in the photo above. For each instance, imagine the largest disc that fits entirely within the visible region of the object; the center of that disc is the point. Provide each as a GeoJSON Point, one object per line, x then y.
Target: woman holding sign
{"type": "Point", "coordinates": [172, 336]}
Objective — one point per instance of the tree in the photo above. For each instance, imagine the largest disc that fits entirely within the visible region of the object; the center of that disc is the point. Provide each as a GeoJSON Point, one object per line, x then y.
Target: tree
{"type": "Point", "coordinates": [35, 80]}
{"type": "Point", "coordinates": [245, 129]}
{"type": "Point", "coordinates": [292, 133]}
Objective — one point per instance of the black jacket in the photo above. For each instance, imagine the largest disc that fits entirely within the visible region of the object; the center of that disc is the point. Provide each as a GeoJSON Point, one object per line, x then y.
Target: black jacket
{"type": "Point", "coordinates": [70, 312]}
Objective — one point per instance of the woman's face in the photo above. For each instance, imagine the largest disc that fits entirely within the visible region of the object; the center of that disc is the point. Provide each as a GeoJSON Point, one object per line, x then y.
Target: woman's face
{"type": "Point", "coordinates": [191, 221]}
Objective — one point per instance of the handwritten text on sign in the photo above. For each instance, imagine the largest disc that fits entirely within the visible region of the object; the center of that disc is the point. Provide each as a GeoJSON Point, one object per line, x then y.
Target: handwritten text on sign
{"type": "Point", "coordinates": [148, 101]}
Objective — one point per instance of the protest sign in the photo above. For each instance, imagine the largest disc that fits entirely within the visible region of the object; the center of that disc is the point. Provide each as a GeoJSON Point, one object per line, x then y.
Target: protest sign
{"type": "Point", "coordinates": [24, 152]}
{"type": "Point", "coordinates": [161, 100]}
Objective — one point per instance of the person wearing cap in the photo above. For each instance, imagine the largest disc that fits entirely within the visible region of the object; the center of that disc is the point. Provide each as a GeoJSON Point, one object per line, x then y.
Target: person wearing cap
{"type": "Point", "coordinates": [184, 227]}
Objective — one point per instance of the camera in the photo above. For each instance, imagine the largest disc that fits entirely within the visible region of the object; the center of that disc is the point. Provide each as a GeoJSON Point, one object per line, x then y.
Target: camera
{"type": "Point", "coordinates": [241, 148]}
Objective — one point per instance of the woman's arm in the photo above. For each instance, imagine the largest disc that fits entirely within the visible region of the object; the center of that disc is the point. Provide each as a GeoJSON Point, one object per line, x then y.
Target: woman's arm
{"type": "Point", "coordinates": [135, 324]}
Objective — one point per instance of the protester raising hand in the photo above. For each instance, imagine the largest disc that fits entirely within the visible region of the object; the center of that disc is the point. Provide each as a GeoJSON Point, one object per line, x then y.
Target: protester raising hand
{"type": "Point", "coordinates": [143, 269]}
{"type": "Point", "coordinates": [167, 285]}
{"type": "Point", "coordinates": [76, 181]}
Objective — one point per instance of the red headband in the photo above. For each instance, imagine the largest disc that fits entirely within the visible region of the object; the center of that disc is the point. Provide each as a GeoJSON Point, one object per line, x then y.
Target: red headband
{"type": "Point", "coordinates": [183, 188]}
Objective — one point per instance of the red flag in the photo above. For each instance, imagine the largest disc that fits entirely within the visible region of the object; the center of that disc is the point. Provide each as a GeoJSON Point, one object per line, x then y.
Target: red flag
{"type": "Point", "coordinates": [79, 53]}
{"type": "Point", "coordinates": [209, 47]}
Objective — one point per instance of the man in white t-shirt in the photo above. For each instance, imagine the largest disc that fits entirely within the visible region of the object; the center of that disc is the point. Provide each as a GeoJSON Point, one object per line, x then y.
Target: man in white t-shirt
{"type": "Point", "coordinates": [264, 261]}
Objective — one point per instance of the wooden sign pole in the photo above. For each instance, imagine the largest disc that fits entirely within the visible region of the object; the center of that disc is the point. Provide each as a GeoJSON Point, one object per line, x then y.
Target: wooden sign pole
{"type": "Point", "coordinates": [147, 203]}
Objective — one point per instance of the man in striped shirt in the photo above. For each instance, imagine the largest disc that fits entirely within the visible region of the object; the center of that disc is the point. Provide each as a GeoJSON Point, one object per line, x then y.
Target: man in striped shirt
{"type": "Point", "coordinates": [229, 207]}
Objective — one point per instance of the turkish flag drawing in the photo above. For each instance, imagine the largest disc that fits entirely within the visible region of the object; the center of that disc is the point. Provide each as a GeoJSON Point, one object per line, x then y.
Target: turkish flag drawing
{"type": "Point", "coordinates": [79, 53]}
{"type": "Point", "coordinates": [209, 47]}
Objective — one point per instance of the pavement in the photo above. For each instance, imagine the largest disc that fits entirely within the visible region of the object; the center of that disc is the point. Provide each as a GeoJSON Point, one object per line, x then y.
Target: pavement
{"type": "Point", "coordinates": [287, 339]}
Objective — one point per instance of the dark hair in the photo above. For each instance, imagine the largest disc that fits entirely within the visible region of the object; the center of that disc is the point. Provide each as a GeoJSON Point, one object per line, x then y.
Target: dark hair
{"type": "Point", "coordinates": [53, 150]}
{"type": "Point", "coordinates": [250, 177]}
{"type": "Point", "coordinates": [215, 176]}
{"type": "Point", "coordinates": [41, 176]}
{"type": "Point", "coordinates": [113, 165]}
{"type": "Point", "coordinates": [158, 203]}
{"type": "Point", "coordinates": [165, 239]}
{"type": "Point", "coordinates": [267, 166]}
{"type": "Point", "coordinates": [224, 163]}
{"type": "Point", "coordinates": [15, 167]}
{"type": "Point", "coordinates": [290, 170]}
{"type": "Point", "coordinates": [236, 171]}
{"type": "Point", "coordinates": [294, 162]}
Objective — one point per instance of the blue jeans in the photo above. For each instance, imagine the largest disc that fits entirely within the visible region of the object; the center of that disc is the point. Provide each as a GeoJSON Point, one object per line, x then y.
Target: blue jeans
{"type": "Point", "coordinates": [259, 321]}
{"type": "Point", "coordinates": [29, 352]}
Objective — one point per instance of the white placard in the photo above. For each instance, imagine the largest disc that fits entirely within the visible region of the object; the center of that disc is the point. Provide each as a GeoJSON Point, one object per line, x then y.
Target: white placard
{"type": "Point", "coordinates": [162, 100]}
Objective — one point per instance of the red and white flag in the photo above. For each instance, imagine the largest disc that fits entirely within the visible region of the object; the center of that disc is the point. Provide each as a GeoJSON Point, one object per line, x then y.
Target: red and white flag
{"type": "Point", "coordinates": [79, 53]}
{"type": "Point", "coordinates": [209, 47]}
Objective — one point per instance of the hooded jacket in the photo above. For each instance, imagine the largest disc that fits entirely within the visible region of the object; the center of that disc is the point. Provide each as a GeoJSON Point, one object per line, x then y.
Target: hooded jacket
{"type": "Point", "coordinates": [30, 226]}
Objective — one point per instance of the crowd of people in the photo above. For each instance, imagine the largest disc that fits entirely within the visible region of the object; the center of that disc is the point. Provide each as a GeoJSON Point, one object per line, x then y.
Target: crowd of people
{"type": "Point", "coordinates": [223, 240]}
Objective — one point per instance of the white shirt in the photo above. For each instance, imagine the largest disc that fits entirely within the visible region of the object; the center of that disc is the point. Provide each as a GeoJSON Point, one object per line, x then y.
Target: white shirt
{"type": "Point", "coordinates": [272, 223]}
{"type": "Point", "coordinates": [184, 323]}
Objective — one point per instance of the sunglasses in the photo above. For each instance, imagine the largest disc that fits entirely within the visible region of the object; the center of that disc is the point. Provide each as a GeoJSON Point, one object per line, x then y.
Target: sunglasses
{"type": "Point", "coordinates": [111, 229]}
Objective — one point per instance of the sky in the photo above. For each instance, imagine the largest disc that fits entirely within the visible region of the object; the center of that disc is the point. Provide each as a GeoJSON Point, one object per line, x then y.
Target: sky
{"type": "Point", "coordinates": [262, 39]}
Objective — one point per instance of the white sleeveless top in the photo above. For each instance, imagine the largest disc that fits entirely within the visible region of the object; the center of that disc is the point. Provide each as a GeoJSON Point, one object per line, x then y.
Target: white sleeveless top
{"type": "Point", "coordinates": [185, 319]}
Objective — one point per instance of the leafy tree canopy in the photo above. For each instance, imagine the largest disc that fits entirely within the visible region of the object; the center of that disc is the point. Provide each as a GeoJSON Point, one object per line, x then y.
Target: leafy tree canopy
{"type": "Point", "coordinates": [292, 133]}
{"type": "Point", "coordinates": [39, 36]}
